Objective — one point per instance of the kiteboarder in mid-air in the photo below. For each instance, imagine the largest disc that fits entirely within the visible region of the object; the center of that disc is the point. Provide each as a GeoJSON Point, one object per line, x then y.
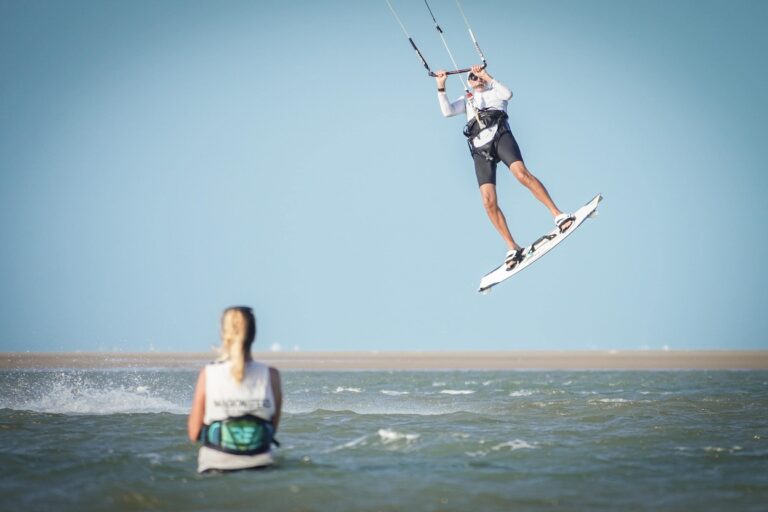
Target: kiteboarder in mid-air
{"type": "Point", "coordinates": [491, 141]}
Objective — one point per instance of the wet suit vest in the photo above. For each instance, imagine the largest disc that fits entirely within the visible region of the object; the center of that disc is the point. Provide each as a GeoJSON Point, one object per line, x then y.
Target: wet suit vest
{"type": "Point", "coordinates": [482, 136]}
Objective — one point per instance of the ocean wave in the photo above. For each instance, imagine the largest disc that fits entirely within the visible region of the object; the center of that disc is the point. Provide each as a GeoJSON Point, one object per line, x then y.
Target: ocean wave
{"type": "Point", "coordinates": [389, 436]}
{"type": "Point", "coordinates": [610, 401]}
{"type": "Point", "coordinates": [375, 409]}
{"type": "Point", "coordinates": [522, 392]}
{"type": "Point", "coordinates": [394, 393]}
{"type": "Point", "coordinates": [516, 444]}
{"type": "Point", "coordinates": [710, 449]}
{"type": "Point", "coordinates": [342, 389]}
{"type": "Point", "coordinates": [457, 392]}
{"type": "Point", "coordinates": [360, 441]}
{"type": "Point", "coordinates": [719, 449]}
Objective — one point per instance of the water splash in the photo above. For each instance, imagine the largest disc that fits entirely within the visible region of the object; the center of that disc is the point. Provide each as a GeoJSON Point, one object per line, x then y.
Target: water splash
{"type": "Point", "coordinates": [96, 393]}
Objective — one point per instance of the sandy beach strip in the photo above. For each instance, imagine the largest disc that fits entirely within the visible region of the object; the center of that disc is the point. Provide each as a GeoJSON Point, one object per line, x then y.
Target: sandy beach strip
{"type": "Point", "coordinates": [477, 360]}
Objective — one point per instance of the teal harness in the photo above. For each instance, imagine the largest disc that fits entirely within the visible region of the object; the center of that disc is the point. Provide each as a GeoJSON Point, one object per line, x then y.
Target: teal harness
{"type": "Point", "coordinates": [244, 435]}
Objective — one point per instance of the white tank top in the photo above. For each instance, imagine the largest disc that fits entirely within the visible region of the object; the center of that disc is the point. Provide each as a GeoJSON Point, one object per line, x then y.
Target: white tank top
{"type": "Point", "coordinates": [226, 398]}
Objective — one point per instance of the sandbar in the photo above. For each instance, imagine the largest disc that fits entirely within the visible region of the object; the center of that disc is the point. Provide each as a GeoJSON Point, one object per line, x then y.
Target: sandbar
{"type": "Point", "coordinates": [416, 360]}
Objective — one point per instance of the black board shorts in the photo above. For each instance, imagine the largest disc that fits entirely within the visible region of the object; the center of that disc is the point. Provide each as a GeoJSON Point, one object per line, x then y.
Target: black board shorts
{"type": "Point", "coordinates": [507, 151]}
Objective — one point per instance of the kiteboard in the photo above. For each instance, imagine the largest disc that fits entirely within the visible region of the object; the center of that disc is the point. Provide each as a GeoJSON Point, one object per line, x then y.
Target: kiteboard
{"type": "Point", "coordinates": [539, 248]}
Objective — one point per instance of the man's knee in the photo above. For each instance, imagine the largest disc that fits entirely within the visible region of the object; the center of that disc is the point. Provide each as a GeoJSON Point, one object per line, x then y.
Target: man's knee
{"type": "Point", "coordinates": [489, 202]}
{"type": "Point", "coordinates": [520, 172]}
{"type": "Point", "coordinates": [488, 195]}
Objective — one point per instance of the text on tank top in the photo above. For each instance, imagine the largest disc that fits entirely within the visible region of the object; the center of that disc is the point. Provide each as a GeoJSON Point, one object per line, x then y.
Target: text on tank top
{"type": "Point", "coordinates": [227, 398]}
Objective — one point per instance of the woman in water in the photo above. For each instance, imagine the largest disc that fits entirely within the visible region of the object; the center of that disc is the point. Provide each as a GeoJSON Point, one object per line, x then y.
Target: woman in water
{"type": "Point", "coordinates": [237, 403]}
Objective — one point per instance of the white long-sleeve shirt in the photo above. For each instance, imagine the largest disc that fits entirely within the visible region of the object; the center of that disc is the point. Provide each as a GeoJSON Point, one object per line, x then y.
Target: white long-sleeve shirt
{"type": "Point", "coordinates": [496, 95]}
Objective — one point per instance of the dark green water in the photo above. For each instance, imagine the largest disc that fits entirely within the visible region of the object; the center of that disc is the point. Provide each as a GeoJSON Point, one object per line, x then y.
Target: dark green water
{"type": "Point", "coordinates": [359, 441]}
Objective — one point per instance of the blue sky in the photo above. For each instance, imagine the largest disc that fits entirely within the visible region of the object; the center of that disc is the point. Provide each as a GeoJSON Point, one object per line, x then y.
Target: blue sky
{"type": "Point", "coordinates": [160, 161]}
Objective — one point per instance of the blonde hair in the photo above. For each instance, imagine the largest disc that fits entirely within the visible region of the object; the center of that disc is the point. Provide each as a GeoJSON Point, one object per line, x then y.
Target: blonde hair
{"type": "Point", "coordinates": [238, 330]}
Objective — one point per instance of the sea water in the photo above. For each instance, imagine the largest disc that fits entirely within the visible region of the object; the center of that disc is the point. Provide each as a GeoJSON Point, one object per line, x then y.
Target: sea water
{"type": "Point", "coordinates": [115, 439]}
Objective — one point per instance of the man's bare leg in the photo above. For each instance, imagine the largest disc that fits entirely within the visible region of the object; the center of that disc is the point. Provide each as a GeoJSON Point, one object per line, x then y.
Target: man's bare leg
{"type": "Point", "coordinates": [491, 205]}
{"type": "Point", "coordinates": [532, 183]}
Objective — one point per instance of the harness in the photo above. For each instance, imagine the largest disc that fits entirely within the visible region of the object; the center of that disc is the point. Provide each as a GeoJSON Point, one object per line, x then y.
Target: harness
{"type": "Point", "coordinates": [244, 435]}
{"type": "Point", "coordinates": [484, 130]}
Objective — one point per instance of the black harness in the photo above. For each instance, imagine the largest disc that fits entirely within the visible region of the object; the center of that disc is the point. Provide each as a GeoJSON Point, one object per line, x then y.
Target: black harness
{"type": "Point", "coordinates": [244, 435]}
{"type": "Point", "coordinates": [489, 118]}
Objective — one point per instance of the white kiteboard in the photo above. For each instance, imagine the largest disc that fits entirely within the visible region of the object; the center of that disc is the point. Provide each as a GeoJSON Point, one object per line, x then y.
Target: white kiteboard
{"type": "Point", "coordinates": [539, 248]}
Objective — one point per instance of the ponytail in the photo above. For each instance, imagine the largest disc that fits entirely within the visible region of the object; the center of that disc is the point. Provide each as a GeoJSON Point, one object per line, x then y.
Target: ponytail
{"type": "Point", "coordinates": [238, 330]}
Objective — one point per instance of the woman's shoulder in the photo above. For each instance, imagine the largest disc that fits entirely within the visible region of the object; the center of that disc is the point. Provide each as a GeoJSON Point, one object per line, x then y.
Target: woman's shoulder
{"type": "Point", "coordinates": [216, 367]}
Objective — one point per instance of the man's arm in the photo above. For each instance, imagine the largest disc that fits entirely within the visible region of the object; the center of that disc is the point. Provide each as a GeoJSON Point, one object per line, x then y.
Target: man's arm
{"type": "Point", "coordinates": [446, 107]}
{"type": "Point", "coordinates": [501, 90]}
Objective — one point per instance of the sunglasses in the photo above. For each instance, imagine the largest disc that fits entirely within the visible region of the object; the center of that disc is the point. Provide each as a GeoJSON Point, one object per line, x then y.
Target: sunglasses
{"type": "Point", "coordinates": [473, 77]}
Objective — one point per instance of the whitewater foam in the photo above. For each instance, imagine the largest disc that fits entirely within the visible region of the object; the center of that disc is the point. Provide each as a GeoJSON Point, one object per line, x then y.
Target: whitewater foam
{"type": "Point", "coordinates": [63, 399]}
{"type": "Point", "coordinates": [95, 393]}
{"type": "Point", "coordinates": [516, 444]}
{"type": "Point", "coordinates": [522, 392]}
{"type": "Point", "coordinates": [342, 389]}
{"type": "Point", "coordinates": [389, 436]}
{"type": "Point", "coordinates": [360, 441]}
